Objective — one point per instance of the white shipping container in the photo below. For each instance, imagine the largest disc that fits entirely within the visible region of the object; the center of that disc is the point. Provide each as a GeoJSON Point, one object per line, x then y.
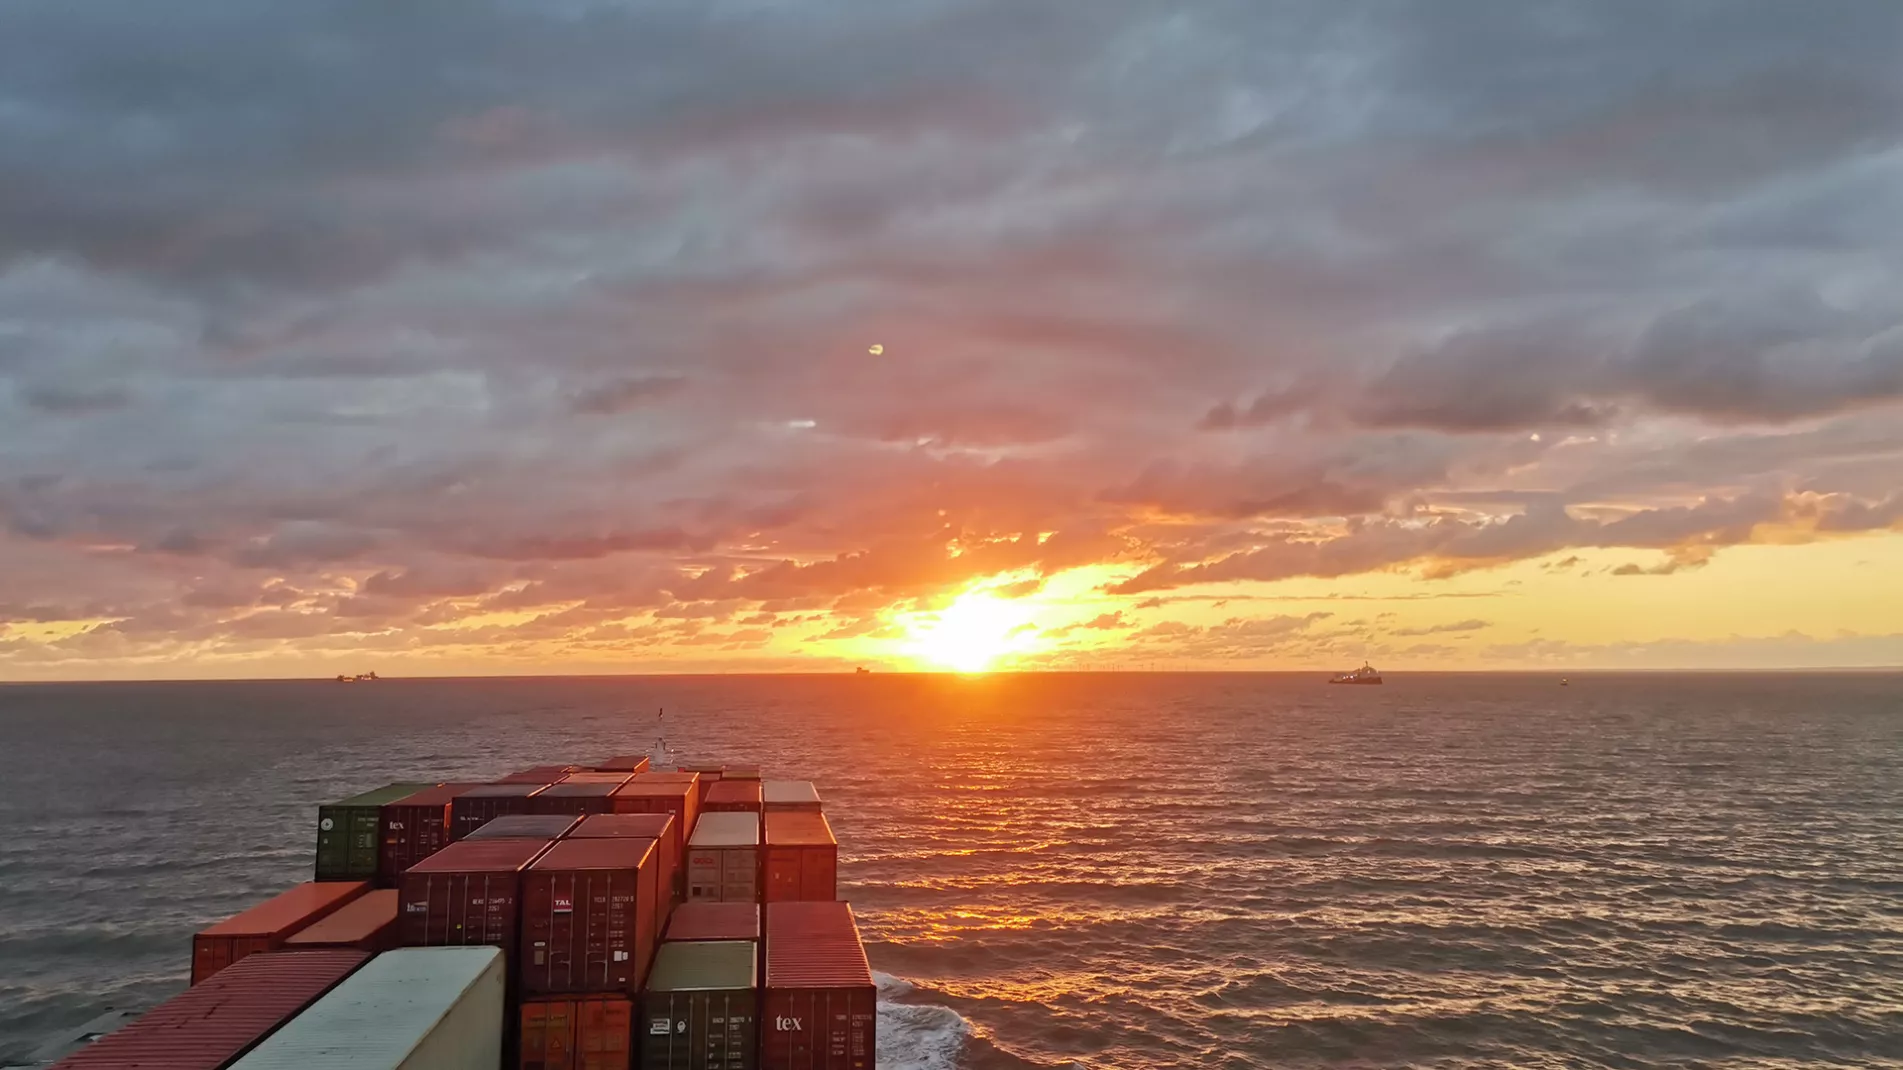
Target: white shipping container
{"type": "Point", "coordinates": [723, 859]}
{"type": "Point", "coordinates": [420, 1008]}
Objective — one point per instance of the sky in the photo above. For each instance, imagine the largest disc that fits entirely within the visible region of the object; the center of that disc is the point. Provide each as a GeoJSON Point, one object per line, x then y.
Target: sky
{"type": "Point", "coordinates": [472, 336]}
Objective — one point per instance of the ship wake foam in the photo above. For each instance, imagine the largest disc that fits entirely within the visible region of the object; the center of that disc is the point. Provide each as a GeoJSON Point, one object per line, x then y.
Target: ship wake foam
{"type": "Point", "coordinates": [917, 1036]}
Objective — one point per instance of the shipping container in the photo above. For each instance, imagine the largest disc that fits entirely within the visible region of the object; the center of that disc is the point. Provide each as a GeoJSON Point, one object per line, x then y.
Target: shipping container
{"type": "Point", "coordinates": [576, 797]}
{"type": "Point", "coordinates": [701, 1007]}
{"type": "Point", "coordinates": [526, 827]}
{"type": "Point", "coordinates": [626, 763]}
{"type": "Point", "coordinates": [577, 1033]}
{"type": "Point", "coordinates": [785, 795]}
{"type": "Point", "coordinates": [265, 926]}
{"type": "Point", "coordinates": [651, 793]}
{"type": "Point", "coordinates": [745, 771]}
{"type": "Point", "coordinates": [539, 774]}
{"type": "Point", "coordinates": [657, 827]}
{"type": "Point", "coordinates": [414, 828]}
{"type": "Point", "coordinates": [468, 893]}
{"type": "Point", "coordinates": [714, 921]}
{"type": "Point", "coordinates": [210, 1024]}
{"type": "Point", "coordinates": [710, 774]}
{"type": "Point", "coordinates": [588, 917]}
{"type": "Point", "coordinates": [734, 796]}
{"type": "Point", "coordinates": [597, 776]}
{"type": "Point", "coordinates": [350, 830]}
{"type": "Point", "coordinates": [367, 923]}
{"type": "Point", "coordinates": [420, 1008]}
{"type": "Point", "coordinates": [820, 1008]}
{"type": "Point", "coordinates": [485, 802]}
{"type": "Point", "coordinates": [802, 858]}
{"type": "Point", "coordinates": [723, 859]}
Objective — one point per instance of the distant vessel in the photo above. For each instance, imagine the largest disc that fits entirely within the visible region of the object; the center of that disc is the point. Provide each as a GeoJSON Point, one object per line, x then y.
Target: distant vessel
{"type": "Point", "coordinates": [862, 671]}
{"type": "Point", "coordinates": [360, 678]}
{"type": "Point", "coordinates": [1364, 675]}
{"type": "Point", "coordinates": [1563, 682]}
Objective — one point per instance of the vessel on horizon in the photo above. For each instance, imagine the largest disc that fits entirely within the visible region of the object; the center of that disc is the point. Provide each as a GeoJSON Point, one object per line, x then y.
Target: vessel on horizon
{"type": "Point", "coordinates": [360, 678]}
{"type": "Point", "coordinates": [1367, 674]}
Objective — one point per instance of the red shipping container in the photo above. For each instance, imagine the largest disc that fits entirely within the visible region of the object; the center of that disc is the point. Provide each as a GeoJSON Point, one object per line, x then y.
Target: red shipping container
{"type": "Point", "coordinates": [597, 776]}
{"type": "Point", "coordinates": [209, 1025]}
{"type": "Point", "coordinates": [651, 793]}
{"type": "Point", "coordinates": [657, 827]}
{"type": "Point", "coordinates": [588, 917]}
{"type": "Point", "coordinates": [367, 923]}
{"type": "Point", "coordinates": [526, 827]}
{"type": "Point", "coordinates": [467, 893]}
{"type": "Point", "coordinates": [484, 803]}
{"type": "Point", "coordinates": [714, 921]}
{"type": "Point", "coordinates": [577, 1033]}
{"type": "Point", "coordinates": [626, 763]}
{"type": "Point", "coordinates": [576, 797]}
{"type": "Point", "coordinates": [710, 774]}
{"type": "Point", "coordinates": [539, 774]}
{"type": "Point", "coordinates": [264, 927]}
{"type": "Point", "coordinates": [802, 858]}
{"type": "Point", "coordinates": [820, 1009]}
{"type": "Point", "coordinates": [744, 771]}
{"type": "Point", "coordinates": [414, 828]}
{"type": "Point", "coordinates": [734, 796]}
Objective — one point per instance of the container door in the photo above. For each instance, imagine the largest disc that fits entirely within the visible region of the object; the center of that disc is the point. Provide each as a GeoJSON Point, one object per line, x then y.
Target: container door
{"type": "Point", "coordinates": [548, 1036]}
{"type": "Point", "coordinates": [602, 1035]}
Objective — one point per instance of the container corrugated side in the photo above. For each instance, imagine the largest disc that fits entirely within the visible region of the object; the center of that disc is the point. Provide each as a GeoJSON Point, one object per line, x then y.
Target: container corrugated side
{"type": "Point", "coordinates": [801, 858]}
{"type": "Point", "coordinates": [349, 831]}
{"type": "Point", "coordinates": [723, 859]}
{"type": "Point", "coordinates": [265, 926]}
{"type": "Point", "coordinates": [414, 828]}
{"type": "Point", "coordinates": [468, 893]}
{"type": "Point", "coordinates": [701, 1008]}
{"type": "Point", "coordinates": [588, 917]}
{"type": "Point", "coordinates": [661, 829]}
{"type": "Point", "coordinates": [427, 1008]}
{"type": "Point", "coordinates": [208, 1025]}
{"type": "Point", "coordinates": [485, 802]}
{"type": "Point", "coordinates": [819, 1008]}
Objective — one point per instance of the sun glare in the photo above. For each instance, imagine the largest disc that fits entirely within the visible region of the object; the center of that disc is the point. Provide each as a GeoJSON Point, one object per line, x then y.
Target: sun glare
{"type": "Point", "coordinates": [971, 634]}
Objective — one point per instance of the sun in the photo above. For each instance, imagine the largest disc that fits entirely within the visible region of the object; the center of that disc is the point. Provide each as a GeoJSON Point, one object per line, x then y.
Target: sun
{"type": "Point", "coordinates": [970, 634]}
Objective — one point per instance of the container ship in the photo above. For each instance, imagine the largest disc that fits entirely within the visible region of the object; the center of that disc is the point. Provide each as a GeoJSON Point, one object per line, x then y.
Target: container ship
{"type": "Point", "coordinates": [601, 917]}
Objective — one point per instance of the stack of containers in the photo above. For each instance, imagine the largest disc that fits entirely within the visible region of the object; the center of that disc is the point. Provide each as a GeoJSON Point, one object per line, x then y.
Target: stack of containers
{"type": "Point", "coordinates": [349, 832]}
{"type": "Point", "coordinates": [723, 859]}
{"type": "Point", "coordinates": [820, 1008]}
{"type": "Point", "coordinates": [710, 773]}
{"type": "Point", "coordinates": [661, 828]}
{"type": "Point", "coordinates": [414, 828]}
{"type": "Point", "coordinates": [664, 793]}
{"type": "Point", "coordinates": [588, 936]}
{"type": "Point", "coordinates": [433, 1008]}
{"type": "Point", "coordinates": [367, 923]}
{"type": "Point", "coordinates": [266, 926]}
{"type": "Point", "coordinates": [484, 803]}
{"type": "Point", "coordinates": [627, 763]}
{"type": "Point", "coordinates": [210, 1024]}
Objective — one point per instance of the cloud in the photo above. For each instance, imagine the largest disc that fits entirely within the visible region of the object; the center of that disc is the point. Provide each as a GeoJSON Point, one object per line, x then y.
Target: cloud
{"type": "Point", "coordinates": [1443, 629]}
{"type": "Point", "coordinates": [347, 325]}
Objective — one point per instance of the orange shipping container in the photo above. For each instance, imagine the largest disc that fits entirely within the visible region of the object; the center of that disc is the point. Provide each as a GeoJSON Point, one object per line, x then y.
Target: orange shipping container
{"type": "Point", "coordinates": [656, 793]}
{"type": "Point", "coordinates": [734, 796]}
{"type": "Point", "coordinates": [802, 858]}
{"type": "Point", "coordinates": [577, 1033]}
{"type": "Point", "coordinates": [367, 923]}
{"type": "Point", "coordinates": [265, 926]}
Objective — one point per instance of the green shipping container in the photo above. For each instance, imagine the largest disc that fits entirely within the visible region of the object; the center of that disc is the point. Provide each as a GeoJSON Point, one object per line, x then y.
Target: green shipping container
{"type": "Point", "coordinates": [701, 1007]}
{"type": "Point", "coordinates": [347, 833]}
